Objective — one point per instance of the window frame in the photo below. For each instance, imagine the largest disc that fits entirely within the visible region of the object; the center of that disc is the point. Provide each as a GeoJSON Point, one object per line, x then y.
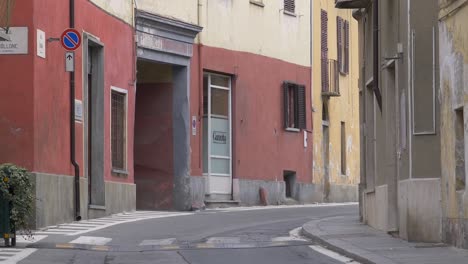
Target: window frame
{"type": "Point", "coordinates": [115, 170]}
{"type": "Point", "coordinates": [343, 148]}
{"type": "Point", "coordinates": [297, 93]}
{"type": "Point", "coordinates": [258, 3]}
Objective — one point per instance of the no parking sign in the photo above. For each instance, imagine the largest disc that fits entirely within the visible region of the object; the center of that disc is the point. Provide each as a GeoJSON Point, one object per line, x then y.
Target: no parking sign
{"type": "Point", "coordinates": [70, 39]}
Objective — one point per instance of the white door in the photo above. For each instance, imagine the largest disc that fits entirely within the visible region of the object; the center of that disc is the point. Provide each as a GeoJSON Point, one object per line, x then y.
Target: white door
{"type": "Point", "coordinates": [217, 142]}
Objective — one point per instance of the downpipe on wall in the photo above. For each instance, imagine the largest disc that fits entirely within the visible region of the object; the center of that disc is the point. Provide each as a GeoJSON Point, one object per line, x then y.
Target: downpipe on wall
{"type": "Point", "coordinates": [72, 126]}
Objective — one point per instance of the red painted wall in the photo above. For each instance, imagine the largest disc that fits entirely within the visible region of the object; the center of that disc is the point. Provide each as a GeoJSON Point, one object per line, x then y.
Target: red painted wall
{"type": "Point", "coordinates": [262, 149]}
{"type": "Point", "coordinates": [34, 101]}
{"type": "Point", "coordinates": [17, 97]}
{"type": "Point", "coordinates": [154, 150]}
{"type": "Point", "coordinates": [51, 84]}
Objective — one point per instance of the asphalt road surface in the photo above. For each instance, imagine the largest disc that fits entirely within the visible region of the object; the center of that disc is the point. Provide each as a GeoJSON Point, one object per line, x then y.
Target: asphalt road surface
{"type": "Point", "coordinates": [222, 236]}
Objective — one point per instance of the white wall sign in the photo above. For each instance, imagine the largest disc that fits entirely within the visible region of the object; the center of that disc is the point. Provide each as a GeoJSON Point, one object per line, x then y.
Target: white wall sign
{"type": "Point", "coordinates": [194, 125]}
{"type": "Point", "coordinates": [78, 110]}
{"type": "Point", "coordinates": [69, 61]}
{"type": "Point", "coordinates": [219, 137]}
{"type": "Point", "coordinates": [41, 46]}
{"type": "Point", "coordinates": [18, 43]}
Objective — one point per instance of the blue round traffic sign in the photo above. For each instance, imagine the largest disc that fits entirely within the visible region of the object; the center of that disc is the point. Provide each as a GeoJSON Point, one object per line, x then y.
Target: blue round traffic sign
{"type": "Point", "coordinates": [70, 39]}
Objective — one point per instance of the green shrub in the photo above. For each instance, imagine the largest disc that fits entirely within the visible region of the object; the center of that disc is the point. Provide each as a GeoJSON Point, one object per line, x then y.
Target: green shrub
{"type": "Point", "coordinates": [17, 179]}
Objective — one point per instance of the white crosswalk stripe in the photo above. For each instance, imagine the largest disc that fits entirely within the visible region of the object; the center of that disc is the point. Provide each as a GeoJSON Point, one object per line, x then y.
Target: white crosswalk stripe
{"type": "Point", "coordinates": [14, 255]}
{"type": "Point", "coordinates": [85, 226]}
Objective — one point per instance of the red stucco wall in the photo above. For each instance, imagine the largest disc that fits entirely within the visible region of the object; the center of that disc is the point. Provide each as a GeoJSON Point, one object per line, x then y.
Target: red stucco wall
{"type": "Point", "coordinates": [262, 149]}
{"type": "Point", "coordinates": [16, 97]}
{"type": "Point", "coordinates": [154, 149]}
{"type": "Point", "coordinates": [34, 108]}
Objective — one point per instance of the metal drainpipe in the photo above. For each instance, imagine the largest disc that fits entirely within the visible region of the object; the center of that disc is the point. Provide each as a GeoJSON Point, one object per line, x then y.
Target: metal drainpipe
{"type": "Point", "coordinates": [376, 54]}
{"type": "Point", "coordinates": [311, 38]}
{"type": "Point", "coordinates": [200, 81]}
{"type": "Point", "coordinates": [72, 126]}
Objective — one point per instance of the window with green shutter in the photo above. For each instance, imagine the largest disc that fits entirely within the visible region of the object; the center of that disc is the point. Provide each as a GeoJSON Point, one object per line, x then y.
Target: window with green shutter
{"type": "Point", "coordinates": [294, 106]}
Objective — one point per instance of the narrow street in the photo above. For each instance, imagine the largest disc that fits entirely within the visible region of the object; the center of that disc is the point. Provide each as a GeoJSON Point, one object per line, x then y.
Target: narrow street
{"type": "Point", "coordinates": [236, 235]}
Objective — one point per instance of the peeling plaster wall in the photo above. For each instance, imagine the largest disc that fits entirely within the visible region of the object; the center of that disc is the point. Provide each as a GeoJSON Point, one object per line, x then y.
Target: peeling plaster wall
{"type": "Point", "coordinates": [453, 41]}
{"type": "Point", "coordinates": [344, 108]}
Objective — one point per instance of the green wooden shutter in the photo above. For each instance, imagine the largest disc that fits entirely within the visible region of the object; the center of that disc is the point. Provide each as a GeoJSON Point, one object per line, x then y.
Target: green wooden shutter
{"type": "Point", "coordinates": [301, 107]}
{"type": "Point", "coordinates": [285, 104]}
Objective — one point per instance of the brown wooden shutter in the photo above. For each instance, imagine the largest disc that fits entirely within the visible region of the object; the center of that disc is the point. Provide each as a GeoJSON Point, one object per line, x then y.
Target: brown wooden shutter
{"type": "Point", "coordinates": [301, 107]}
{"type": "Point", "coordinates": [339, 27]}
{"type": "Point", "coordinates": [285, 104]}
{"type": "Point", "coordinates": [346, 28]}
{"type": "Point", "coordinates": [290, 5]}
{"type": "Point", "coordinates": [324, 49]}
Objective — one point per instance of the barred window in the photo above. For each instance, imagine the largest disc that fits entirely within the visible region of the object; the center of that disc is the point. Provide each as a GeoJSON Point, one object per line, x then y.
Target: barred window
{"type": "Point", "coordinates": [290, 6]}
{"type": "Point", "coordinates": [118, 130]}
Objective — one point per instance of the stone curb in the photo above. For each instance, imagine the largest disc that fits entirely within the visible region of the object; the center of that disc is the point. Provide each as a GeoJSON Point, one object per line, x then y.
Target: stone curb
{"type": "Point", "coordinates": [312, 231]}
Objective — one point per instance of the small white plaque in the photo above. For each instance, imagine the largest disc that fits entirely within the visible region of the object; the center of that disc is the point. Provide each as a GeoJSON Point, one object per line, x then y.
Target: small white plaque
{"type": "Point", "coordinates": [41, 44]}
{"type": "Point", "coordinates": [69, 61]}
{"type": "Point", "coordinates": [17, 43]}
{"type": "Point", "coordinates": [78, 110]}
{"type": "Point", "coordinates": [194, 125]}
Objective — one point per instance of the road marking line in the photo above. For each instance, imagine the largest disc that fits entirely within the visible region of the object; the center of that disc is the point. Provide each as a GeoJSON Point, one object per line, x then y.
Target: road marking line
{"type": "Point", "coordinates": [158, 242]}
{"type": "Point", "coordinates": [333, 255]}
{"type": "Point", "coordinates": [100, 248]}
{"type": "Point", "coordinates": [223, 240]}
{"type": "Point", "coordinates": [78, 228]}
{"type": "Point", "coordinates": [89, 240]}
{"type": "Point", "coordinates": [50, 233]}
{"type": "Point", "coordinates": [170, 247]}
{"type": "Point", "coordinates": [129, 221]}
{"type": "Point", "coordinates": [61, 230]}
{"type": "Point", "coordinates": [205, 245]}
{"type": "Point", "coordinates": [67, 245]}
{"type": "Point", "coordinates": [252, 208]}
{"type": "Point", "coordinates": [22, 254]}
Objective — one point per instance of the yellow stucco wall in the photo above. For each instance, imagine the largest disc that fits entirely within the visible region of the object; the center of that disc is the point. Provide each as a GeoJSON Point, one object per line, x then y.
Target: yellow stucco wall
{"type": "Point", "coordinates": [122, 9]}
{"type": "Point", "coordinates": [242, 26]}
{"type": "Point", "coordinates": [344, 108]}
{"type": "Point", "coordinates": [453, 43]}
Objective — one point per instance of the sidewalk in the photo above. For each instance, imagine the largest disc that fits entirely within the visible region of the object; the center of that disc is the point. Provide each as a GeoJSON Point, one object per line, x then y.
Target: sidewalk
{"type": "Point", "coordinates": [347, 236]}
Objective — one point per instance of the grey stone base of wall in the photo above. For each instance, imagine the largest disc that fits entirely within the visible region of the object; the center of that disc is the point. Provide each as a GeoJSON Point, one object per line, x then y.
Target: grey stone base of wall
{"type": "Point", "coordinates": [248, 192]}
{"type": "Point", "coordinates": [455, 232]}
{"type": "Point", "coordinates": [417, 215]}
{"type": "Point", "coordinates": [54, 199]}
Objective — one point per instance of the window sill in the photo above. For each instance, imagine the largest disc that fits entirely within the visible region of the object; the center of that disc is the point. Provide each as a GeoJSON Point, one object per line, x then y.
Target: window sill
{"type": "Point", "coordinates": [291, 129]}
{"type": "Point", "coordinates": [121, 173]}
{"type": "Point", "coordinates": [96, 207]}
{"type": "Point", "coordinates": [289, 13]}
{"type": "Point", "coordinates": [257, 3]}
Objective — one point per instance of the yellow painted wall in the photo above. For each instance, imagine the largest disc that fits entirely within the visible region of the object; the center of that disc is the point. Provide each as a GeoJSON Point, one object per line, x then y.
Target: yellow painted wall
{"type": "Point", "coordinates": [344, 108]}
{"type": "Point", "coordinates": [122, 9]}
{"type": "Point", "coordinates": [242, 26]}
{"type": "Point", "coordinates": [453, 43]}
